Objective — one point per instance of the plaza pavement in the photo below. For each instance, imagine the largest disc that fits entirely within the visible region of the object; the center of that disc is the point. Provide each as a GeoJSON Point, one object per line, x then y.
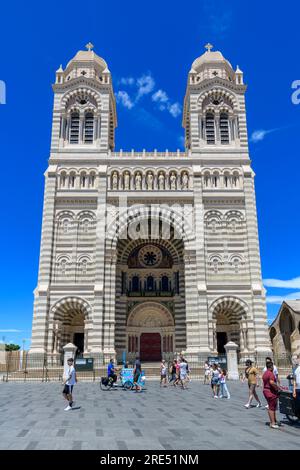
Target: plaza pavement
{"type": "Point", "coordinates": [33, 417]}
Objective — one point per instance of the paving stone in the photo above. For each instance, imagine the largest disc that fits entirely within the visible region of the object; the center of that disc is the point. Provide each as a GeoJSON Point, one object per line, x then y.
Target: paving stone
{"type": "Point", "coordinates": [162, 419]}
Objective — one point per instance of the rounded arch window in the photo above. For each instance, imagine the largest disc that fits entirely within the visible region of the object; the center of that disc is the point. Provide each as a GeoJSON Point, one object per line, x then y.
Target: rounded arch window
{"type": "Point", "coordinates": [65, 226]}
{"type": "Point", "coordinates": [74, 128]}
{"type": "Point", "coordinates": [224, 128]}
{"type": "Point", "coordinates": [63, 267]}
{"type": "Point", "coordinates": [210, 128]}
{"type": "Point", "coordinates": [92, 180]}
{"type": "Point", "coordinates": [235, 180]}
{"type": "Point", "coordinates": [72, 180]}
{"type": "Point", "coordinates": [83, 180]}
{"type": "Point", "coordinates": [272, 334]}
{"type": "Point", "coordinates": [83, 266]}
{"type": "Point", "coordinates": [150, 283]}
{"type": "Point", "coordinates": [63, 179]}
{"type": "Point", "coordinates": [165, 283]}
{"type": "Point", "coordinates": [88, 128]}
{"type": "Point", "coordinates": [135, 284]}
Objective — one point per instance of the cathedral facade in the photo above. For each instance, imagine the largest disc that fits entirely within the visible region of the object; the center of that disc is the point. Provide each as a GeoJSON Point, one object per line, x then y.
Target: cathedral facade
{"type": "Point", "coordinates": [149, 252]}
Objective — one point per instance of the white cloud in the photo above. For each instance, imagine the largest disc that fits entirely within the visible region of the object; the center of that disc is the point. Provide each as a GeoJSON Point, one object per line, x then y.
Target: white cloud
{"type": "Point", "coordinates": [278, 299]}
{"type": "Point", "coordinates": [259, 135]}
{"type": "Point", "coordinates": [289, 284]}
{"type": "Point", "coordinates": [160, 96]}
{"type": "Point", "coordinates": [123, 98]}
{"type": "Point", "coordinates": [145, 85]}
{"type": "Point", "coordinates": [11, 331]}
{"type": "Point", "coordinates": [174, 109]}
{"type": "Point", "coordinates": [127, 81]}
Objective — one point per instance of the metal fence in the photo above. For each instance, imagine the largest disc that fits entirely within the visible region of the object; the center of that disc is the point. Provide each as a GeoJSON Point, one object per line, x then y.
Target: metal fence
{"type": "Point", "coordinates": [25, 366]}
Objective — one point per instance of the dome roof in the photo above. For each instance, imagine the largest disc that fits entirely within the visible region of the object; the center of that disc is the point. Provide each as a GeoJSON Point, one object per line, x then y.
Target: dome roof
{"type": "Point", "coordinates": [209, 57]}
{"type": "Point", "coordinates": [89, 56]}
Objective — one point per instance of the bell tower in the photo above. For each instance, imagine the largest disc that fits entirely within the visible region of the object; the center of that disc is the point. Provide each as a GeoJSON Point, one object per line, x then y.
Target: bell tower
{"type": "Point", "coordinates": [214, 106]}
{"type": "Point", "coordinates": [84, 114]}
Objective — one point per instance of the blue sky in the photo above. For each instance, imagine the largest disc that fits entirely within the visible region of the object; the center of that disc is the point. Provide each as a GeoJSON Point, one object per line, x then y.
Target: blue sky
{"type": "Point", "coordinates": [155, 43]}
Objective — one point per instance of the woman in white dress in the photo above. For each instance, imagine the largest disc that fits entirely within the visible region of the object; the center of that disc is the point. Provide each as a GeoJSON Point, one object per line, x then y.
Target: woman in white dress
{"type": "Point", "coordinates": [183, 372]}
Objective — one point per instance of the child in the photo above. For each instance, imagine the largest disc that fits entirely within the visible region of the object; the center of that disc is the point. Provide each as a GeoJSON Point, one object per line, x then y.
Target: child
{"type": "Point", "coordinates": [69, 383]}
{"type": "Point", "coordinates": [223, 385]}
{"type": "Point", "coordinates": [163, 373]}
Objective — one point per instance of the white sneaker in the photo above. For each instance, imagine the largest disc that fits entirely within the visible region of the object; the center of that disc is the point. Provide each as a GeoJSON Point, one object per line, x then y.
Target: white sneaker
{"type": "Point", "coordinates": [228, 398]}
{"type": "Point", "coordinates": [68, 408]}
{"type": "Point", "coordinates": [267, 407]}
{"type": "Point", "coordinates": [258, 405]}
{"type": "Point", "coordinates": [274, 426]}
{"type": "Point", "coordinates": [247, 405]}
{"type": "Point", "coordinates": [215, 396]}
{"type": "Point", "coordinates": [221, 396]}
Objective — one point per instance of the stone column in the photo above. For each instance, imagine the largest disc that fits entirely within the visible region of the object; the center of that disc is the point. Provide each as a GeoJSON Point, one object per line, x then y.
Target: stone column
{"type": "Point", "coordinates": [41, 293]}
{"type": "Point", "coordinates": [96, 334]}
{"type": "Point", "coordinates": [69, 352]}
{"type": "Point", "coordinates": [232, 361]}
{"type": "Point", "coordinates": [2, 354]}
{"type": "Point", "coordinates": [191, 304]}
{"type": "Point", "coordinates": [262, 342]}
{"type": "Point", "coordinates": [204, 348]}
{"type": "Point", "coordinates": [109, 305]}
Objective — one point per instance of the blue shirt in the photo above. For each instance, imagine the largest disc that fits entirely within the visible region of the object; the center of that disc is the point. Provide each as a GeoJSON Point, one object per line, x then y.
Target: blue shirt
{"type": "Point", "coordinates": [110, 369]}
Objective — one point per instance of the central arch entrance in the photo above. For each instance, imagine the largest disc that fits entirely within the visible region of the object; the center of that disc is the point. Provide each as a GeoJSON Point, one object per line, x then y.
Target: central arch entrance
{"type": "Point", "coordinates": [150, 331]}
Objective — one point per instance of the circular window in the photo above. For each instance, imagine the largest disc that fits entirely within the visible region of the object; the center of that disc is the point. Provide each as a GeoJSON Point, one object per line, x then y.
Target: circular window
{"type": "Point", "coordinates": [150, 255]}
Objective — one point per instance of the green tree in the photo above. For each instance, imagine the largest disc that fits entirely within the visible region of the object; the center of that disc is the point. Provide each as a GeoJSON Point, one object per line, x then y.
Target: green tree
{"type": "Point", "coordinates": [12, 347]}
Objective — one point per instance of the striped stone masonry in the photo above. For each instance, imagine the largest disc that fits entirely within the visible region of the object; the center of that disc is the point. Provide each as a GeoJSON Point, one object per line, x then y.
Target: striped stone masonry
{"type": "Point", "coordinates": [155, 253]}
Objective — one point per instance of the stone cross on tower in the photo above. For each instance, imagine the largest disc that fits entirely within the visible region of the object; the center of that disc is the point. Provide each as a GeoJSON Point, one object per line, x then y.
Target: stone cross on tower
{"type": "Point", "coordinates": [208, 47]}
{"type": "Point", "coordinates": [89, 46]}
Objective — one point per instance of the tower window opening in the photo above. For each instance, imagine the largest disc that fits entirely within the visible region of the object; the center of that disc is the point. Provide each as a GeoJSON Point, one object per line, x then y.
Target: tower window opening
{"type": "Point", "coordinates": [210, 129]}
{"type": "Point", "coordinates": [74, 129]}
{"type": "Point", "coordinates": [224, 128]}
{"type": "Point", "coordinates": [89, 128]}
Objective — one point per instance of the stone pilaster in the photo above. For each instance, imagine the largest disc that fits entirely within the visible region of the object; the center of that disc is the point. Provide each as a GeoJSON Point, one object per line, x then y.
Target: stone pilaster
{"type": "Point", "coordinates": [41, 301]}
{"type": "Point", "coordinates": [200, 262]}
{"type": "Point", "coordinates": [262, 343]}
{"type": "Point", "coordinates": [96, 334]}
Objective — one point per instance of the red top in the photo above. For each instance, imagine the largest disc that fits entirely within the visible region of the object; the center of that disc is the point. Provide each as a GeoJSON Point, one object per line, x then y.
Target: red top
{"type": "Point", "coordinates": [268, 375]}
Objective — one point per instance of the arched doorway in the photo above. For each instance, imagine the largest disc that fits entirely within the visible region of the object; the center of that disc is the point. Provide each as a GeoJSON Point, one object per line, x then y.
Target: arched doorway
{"type": "Point", "coordinates": [150, 331]}
{"type": "Point", "coordinates": [70, 325]}
{"type": "Point", "coordinates": [286, 326]}
{"type": "Point", "coordinates": [229, 324]}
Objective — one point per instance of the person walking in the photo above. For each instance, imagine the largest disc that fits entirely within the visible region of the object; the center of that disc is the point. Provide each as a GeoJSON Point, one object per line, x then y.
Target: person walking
{"type": "Point", "coordinates": [206, 373]}
{"type": "Point", "coordinates": [215, 379]}
{"type": "Point", "coordinates": [275, 369]}
{"type": "Point", "coordinates": [252, 375]}
{"type": "Point", "coordinates": [69, 383]}
{"type": "Point", "coordinates": [177, 379]}
{"type": "Point", "coordinates": [296, 382]}
{"type": "Point", "coordinates": [275, 372]}
{"type": "Point", "coordinates": [136, 374]}
{"type": "Point", "coordinates": [183, 373]}
{"type": "Point", "coordinates": [163, 373]}
{"type": "Point", "coordinates": [172, 371]}
{"type": "Point", "coordinates": [223, 385]}
{"type": "Point", "coordinates": [270, 391]}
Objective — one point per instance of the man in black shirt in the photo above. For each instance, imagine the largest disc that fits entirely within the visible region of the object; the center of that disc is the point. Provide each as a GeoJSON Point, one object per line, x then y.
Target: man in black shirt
{"type": "Point", "coordinates": [136, 373]}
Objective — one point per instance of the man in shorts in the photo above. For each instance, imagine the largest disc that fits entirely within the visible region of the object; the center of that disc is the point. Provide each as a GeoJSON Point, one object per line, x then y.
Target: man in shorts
{"type": "Point", "coordinates": [69, 383]}
{"type": "Point", "coordinates": [136, 374]}
{"type": "Point", "coordinates": [251, 374]}
{"type": "Point", "coordinates": [111, 371]}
